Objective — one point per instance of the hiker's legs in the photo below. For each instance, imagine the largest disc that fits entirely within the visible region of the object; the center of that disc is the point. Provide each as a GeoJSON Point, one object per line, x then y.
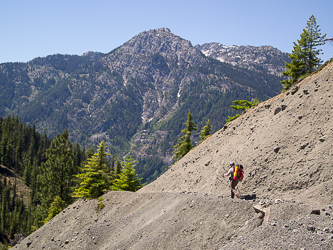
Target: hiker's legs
{"type": "Point", "coordinates": [231, 188]}
{"type": "Point", "coordinates": [233, 184]}
{"type": "Point", "coordinates": [236, 193]}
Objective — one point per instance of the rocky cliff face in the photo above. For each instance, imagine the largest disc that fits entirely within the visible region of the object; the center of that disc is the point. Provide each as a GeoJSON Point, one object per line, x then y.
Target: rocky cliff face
{"type": "Point", "coordinates": [262, 59]}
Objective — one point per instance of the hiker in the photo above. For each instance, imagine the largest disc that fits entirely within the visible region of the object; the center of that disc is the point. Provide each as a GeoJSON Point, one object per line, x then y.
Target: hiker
{"type": "Point", "coordinates": [236, 175]}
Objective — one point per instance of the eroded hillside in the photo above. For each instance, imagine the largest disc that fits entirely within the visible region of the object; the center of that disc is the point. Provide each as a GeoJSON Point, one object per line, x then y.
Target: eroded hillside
{"type": "Point", "coordinates": [285, 145]}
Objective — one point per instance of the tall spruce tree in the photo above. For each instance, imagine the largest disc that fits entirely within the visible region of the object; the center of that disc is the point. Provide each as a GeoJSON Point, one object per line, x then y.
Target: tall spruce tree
{"type": "Point", "coordinates": [128, 180]}
{"type": "Point", "coordinates": [184, 143]}
{"type": "Point", "coordinates": [5, 215]}
{"type": "Point", "coordinates": [94, 178]}
{"type": "Point", "coordinates": [242, 105]}
{"type": "Point", "coordinates": [56, 175]}
{"type": "Point", "coordinates": [305, 53]}
{"type": "Point", "coordinates": [205, 132]}
{"type": "Point", "coordinates": [56, 207]}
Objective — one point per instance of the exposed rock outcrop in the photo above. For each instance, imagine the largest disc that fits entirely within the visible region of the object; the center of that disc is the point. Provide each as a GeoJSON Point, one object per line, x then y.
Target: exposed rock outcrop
{"type": "Point", "coordinates": [261, 59]}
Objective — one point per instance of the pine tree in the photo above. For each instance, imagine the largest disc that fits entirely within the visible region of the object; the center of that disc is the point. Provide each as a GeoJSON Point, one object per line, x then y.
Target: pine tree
{"type": "Point", "coordinates": [56, 177]}
{"type": "Point", "coordinates": [5, 208]}
{"type": "Point", "coordinates": [90, 152]}
{"type": "Point", "coordinates": [56, 207]}
{"type": "Point", "coordinates": [3, 147]}
{"type": "Point", "coordinates": [311, 40]}
{"type": "Point", "coordinates": [184, 143]}
{"type": "Point", "coordinates": [305, 53]}
{"type": "Point", "coordinates": [94, 178]}
{"type": "Point", "coordinates": [128, 180]}
{"type": "Point", "coordinates": [27, 173]}
{"type": "Point", "coordinates": [77, 154]}
{"type": "Point", "coordinates": [118, 168]}
{"type": "Point", "coordinates": [45, 145]}
{"type": "Point", "coordinates": [242, 105]}
{"type": "Point", "coordinates": [296, 67]}
{"type": "Point", "coordinates": [205, 132]}
{"type": "Point", "coordinates": [83, 154]}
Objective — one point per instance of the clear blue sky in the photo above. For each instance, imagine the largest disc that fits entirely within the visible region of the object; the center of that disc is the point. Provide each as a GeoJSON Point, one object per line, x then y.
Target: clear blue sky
{"type": "Point", "coordinates": [37, 28]}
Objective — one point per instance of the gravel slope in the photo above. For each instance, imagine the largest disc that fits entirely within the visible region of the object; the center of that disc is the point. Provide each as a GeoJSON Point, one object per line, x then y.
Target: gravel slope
{"type": "Point", "coordinates": [285, 145]}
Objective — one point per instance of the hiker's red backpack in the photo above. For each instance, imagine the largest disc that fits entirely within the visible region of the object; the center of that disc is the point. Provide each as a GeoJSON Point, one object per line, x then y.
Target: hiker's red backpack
{"type": "Point", "coordinates": [238, 172]}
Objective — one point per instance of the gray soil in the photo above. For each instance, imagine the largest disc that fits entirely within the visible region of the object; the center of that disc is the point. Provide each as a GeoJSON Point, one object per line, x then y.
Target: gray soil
{"type": "Point", "coordinates": [285, 145]}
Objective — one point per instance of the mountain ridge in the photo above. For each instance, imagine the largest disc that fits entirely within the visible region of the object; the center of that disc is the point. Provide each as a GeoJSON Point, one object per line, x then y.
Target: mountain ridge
{"type": "Point", "coordinates": [135, 98]}
{"type": "Point", "coordinates": [250, 57]}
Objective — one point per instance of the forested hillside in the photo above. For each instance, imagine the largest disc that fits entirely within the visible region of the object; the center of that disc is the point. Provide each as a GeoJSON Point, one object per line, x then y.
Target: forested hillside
{"type": "Point", "coordinates": [22, 150]}
{"type": "Point", "coordinates": [39, 177]}
{"type": "Point", "coordinates": [136, 97]}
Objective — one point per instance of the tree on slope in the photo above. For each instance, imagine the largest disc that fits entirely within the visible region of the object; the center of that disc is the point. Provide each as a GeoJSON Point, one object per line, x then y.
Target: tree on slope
{"type": "Point", "coordinates": [56, 207]}
{"type": "Point", "coordinates": [305, 53]}
{"type": "Point", "coordinates": [56, 177]}
{"type": "Point", "coordinates": [205, 132]}
{"type": "Point", "coordinates": [128, 180]}
{"type": "Point", "coordinates": [184, 143]}
{"type": "Point", "coordinates": [94, 178]}
{"type": "Point", "coordinates": [242, 105]}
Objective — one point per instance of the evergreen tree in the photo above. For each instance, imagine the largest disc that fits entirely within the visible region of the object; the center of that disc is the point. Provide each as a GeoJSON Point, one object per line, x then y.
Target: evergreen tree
{"type": "Point", "coordinates": [56, 207]}
{"type": "Point", "coordinates": [5, 215]}
{"type": "Point", "coordinates": [45, 145]}
{"type": "Point", "coordinates": [56, 177]}
{"type": "Point", "coordinates": [128, 180]}
{"type": "Point", "coordinates": [83, 154]}
{"type": "Point", "coordinates": [90, 152]}
{"type": "Point", "coordinates": [310, 40]}
{"type": "Point", "coordinates": [296, 67]}
{"type": "Point", "coordinates": [118, 168]}
{"type": "Point", "coordinates": [27, 173]}
{"type": "Point", "coordinates": [21, 149]}
{"type": "Point", "coordinates": [94, 178]}
{"type": "Point", "coordinates": [242, 105]}
{"type": "Point", "coordinates": [113, 164]}
{"type": "Point", "coordinates": [3, 147]}
{"type": "Point", "coordinates": [305, 53]}
{"type": "Point", "coordinates": [184, 143]}
{"type": "Point", "coordinates": [33, 185]}
{"type": "Point", "coordinates": [205, 132]}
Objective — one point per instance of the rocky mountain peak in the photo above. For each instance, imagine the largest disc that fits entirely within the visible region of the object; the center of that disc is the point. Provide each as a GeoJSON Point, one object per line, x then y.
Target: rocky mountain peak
{"type": "Point", "coordinates": [160, 41]}
{"type": "Point", "coordinates": [163, 30]}
{"type": "Point", "coordinates": [93, 55]}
